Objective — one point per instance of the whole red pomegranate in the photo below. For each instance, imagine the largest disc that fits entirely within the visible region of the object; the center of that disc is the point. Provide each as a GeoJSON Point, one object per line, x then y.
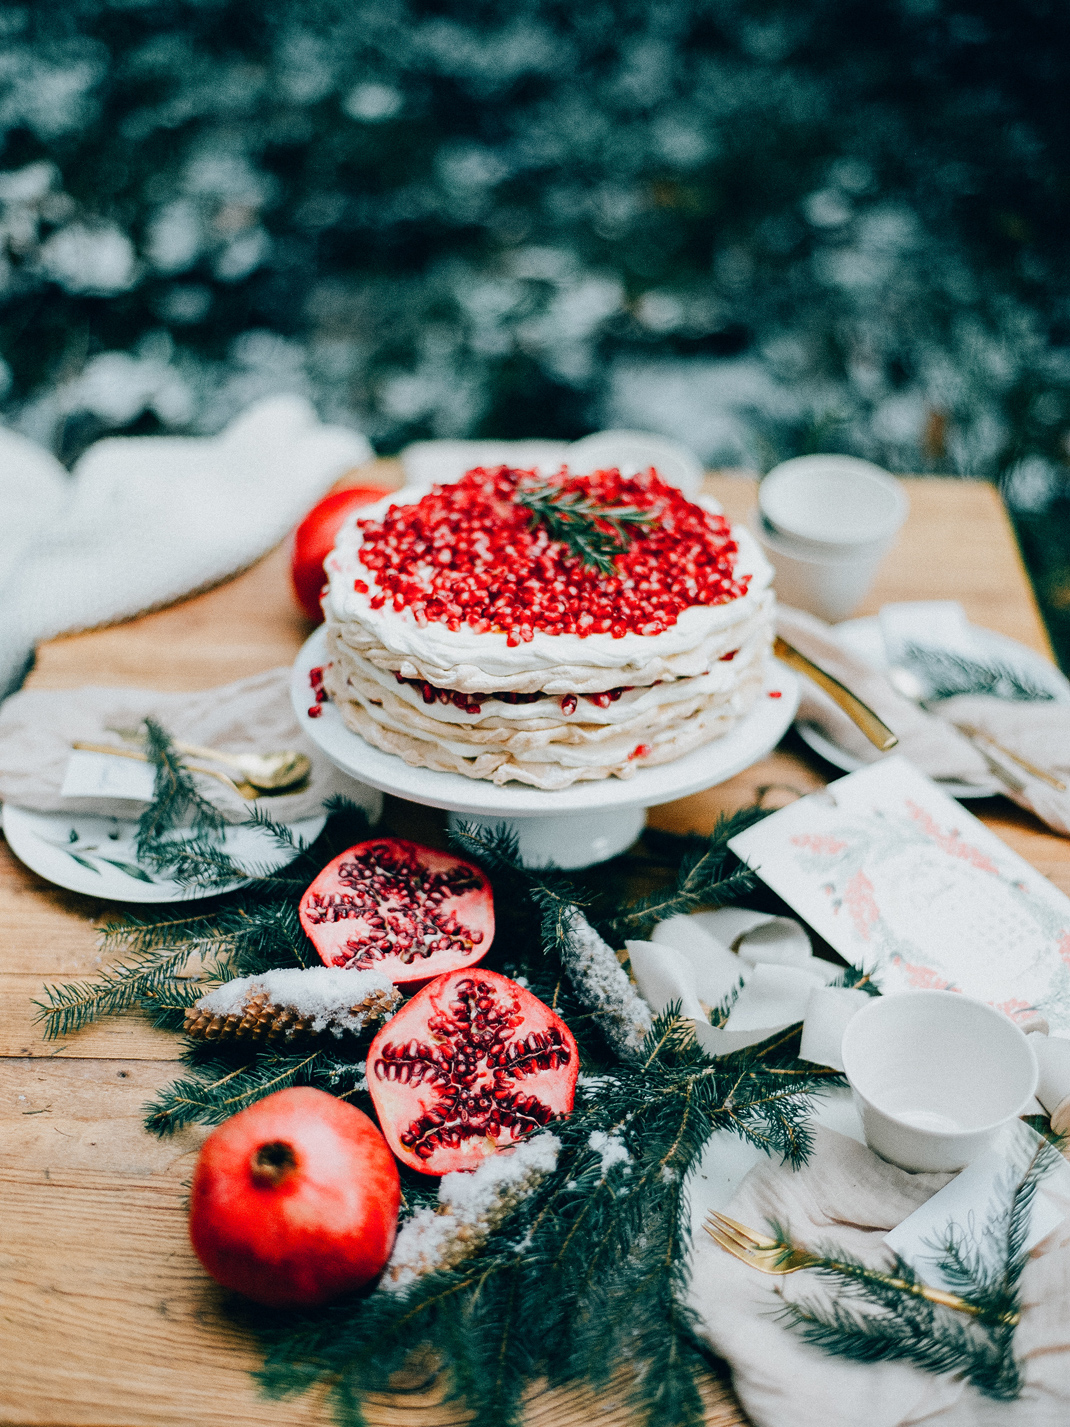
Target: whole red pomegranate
{"type": "Point", "coordinates": [295, 1200]}
{"type": "Point", "coordinates": [472, 1063]}
{"type": "Point", "coordinates": [314, 540]}
{"type": "Point", "coordinates": [406, 910]}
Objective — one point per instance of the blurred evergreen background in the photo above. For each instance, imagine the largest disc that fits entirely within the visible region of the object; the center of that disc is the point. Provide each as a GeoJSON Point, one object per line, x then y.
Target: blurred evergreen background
{"type": "Point", "coordinates": [764, 227]}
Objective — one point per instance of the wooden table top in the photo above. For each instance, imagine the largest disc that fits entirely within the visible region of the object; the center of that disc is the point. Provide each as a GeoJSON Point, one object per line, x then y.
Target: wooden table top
{"type": "Point", "coordinates": [107, 1318]}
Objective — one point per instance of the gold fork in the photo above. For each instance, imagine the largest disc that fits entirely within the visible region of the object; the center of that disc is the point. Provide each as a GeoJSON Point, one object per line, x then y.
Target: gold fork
{"type": "Point", "coordinates": [771, 1256]}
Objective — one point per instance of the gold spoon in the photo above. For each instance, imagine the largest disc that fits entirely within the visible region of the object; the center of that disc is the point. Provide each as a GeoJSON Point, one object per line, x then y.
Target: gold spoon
{"type": "Point", "coordinates": [271, 772]}
{"type": "Point", "coordinates": [244, 790]}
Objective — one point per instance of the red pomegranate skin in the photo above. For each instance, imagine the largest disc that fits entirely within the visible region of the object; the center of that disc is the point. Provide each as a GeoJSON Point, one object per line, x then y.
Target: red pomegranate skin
{"type": "Point", "coordinates": [400, 908]}
{"type": "Point", "coordinates": [472, 1064]}
{"type": "Point", "coordinates": [314, 540]}
{"type": "Point", "coordinates": [295, 1200]}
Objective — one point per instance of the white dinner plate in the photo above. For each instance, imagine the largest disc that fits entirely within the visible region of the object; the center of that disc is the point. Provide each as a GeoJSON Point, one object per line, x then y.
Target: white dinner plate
{"type": "Point", "coordinates": [98, 856]}
{"type": "Point", "coordinates": [715, 762]}
{"type": "Point", "coordinates": [863, 639]}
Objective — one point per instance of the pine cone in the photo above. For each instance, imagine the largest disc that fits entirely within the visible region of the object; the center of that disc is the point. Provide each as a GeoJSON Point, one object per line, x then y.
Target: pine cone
{"type": "Point", "coordinates": [273, 1008]}
{"type": "Point", "coordinates": [258, 1021]}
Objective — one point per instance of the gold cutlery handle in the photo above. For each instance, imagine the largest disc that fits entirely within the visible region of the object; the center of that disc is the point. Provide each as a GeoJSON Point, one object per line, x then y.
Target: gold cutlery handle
{"type": "Point", "coordinates": [919, 1290]}
{"type": "Point", "coordinates": [197, 751]}
{"type": "Point", "coordinates": [948, 1300]}
{"type": "Point", "coordinates": [860, 714]}
{"type": "Point", "coordinates": [250, 795]}
{"type": "Point", "coordinates": [979, 734]}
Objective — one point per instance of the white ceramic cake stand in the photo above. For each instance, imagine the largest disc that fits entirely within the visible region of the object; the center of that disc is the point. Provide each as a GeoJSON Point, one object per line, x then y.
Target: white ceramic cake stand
{"type": "Point", "coordinates": [572, 827]}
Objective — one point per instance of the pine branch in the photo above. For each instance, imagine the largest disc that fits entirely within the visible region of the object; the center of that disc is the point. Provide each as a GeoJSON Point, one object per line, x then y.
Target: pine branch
{"type": "Point", "coordinates": [706, 878]}
{"type": "Point", "coordinates": [947, 674]}
{"type": "Point", "coordinates": [149, 976]}
{"type": "Point", "coordinates": [221, 1089]}
{"type": "Point", "coordinates": [174, 797]}
{"type": "Point", "coordinates": [595, 533]}
{"type": "Point", "coordinates": [894, 1323]}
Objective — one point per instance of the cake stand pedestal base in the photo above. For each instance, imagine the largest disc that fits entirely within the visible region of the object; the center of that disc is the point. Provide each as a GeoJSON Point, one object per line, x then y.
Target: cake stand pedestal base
{"type": "Point", "coordinates": [566, 839]}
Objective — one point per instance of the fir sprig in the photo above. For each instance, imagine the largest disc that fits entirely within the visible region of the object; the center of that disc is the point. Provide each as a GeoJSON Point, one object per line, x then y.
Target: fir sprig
{"type": "Point", "coordinates": [878, 1317]}
{"type": "Point", "coordinates": [175, 798]}
{"type": "Point", "coordinates": [160, 959]}
{"type": "Point", "coordinates": [147, 977]}
{"type": "Point", "coordinates": [709, 875]}
{"type": "Point", "coordinates": [594, 532]}
{"type": "Point", "coordinates": [589, 1272]}
{"type": "Point", "coordinates": [220, 1089]}
{"type": "Point", "coordinates": [947, 674]}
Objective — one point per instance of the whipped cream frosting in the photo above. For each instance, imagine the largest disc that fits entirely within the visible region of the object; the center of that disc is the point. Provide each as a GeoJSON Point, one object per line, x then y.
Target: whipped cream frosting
{"type": "Point", "coordinates": [554, 664]}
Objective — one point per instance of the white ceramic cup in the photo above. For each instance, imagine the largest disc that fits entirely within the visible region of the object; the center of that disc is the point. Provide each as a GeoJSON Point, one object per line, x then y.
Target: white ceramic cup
{"type": "Point", "coordinates": [936, 1076]}
{"type": "Point", "coordinates": [830, 586]}
{"type": "Point", "coordinates": [832, 505]}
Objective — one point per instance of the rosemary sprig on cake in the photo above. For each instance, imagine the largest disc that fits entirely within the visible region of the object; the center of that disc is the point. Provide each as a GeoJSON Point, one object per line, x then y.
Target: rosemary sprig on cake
{"type": "Point", "coordinates": [580, 522]}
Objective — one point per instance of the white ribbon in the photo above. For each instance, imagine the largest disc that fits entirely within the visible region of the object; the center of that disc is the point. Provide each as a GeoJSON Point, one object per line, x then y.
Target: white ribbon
{"type": "Point", "coordinates": [700, 960]}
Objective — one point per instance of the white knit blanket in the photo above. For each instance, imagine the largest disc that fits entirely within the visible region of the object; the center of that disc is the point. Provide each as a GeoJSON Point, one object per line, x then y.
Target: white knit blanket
{"type": "Point", "coordinates": [144, 520]}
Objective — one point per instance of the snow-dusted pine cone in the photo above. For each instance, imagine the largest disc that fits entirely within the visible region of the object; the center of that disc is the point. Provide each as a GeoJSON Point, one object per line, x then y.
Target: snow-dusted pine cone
{"type": "Point", "coordinates": [281, 1006]}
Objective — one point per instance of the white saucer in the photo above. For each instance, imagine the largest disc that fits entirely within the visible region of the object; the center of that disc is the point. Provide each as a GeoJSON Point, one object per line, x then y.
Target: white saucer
{"type": "Point", "coordinates": [97, 856]}
{"type": "Point", "coordinates": [588, 821]}
{"type": "Point", "coordinates": [862, 638]}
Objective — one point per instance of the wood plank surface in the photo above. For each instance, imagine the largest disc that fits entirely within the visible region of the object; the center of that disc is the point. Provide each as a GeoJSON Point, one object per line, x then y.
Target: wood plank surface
{"type": "Point", "coordinates": [106, 1318]}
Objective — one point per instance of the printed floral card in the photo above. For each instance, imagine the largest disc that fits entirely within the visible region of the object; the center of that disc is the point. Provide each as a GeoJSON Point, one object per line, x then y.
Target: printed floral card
{"type": "Point", "coordinates": [904, 882]}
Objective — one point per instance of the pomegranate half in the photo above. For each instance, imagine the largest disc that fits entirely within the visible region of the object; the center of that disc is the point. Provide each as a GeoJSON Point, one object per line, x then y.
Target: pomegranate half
{"type": "Point", "coordinates": [406, 910]}
{"type": "Point", "coordinates": [470, 1065]}
{"type": "Point", "coordinates": [295, 1200]}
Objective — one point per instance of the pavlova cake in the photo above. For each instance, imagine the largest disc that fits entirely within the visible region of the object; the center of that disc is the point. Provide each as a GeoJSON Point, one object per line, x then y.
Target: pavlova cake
{"type": "Point", "coordinates": [546, 630]}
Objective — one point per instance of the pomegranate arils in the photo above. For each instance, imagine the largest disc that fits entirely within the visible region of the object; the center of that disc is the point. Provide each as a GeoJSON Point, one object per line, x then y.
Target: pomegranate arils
{"type": "Point", "coordinates": [489, 1065]}
{"type": "Point", "coordinates": [468, 554]}
{"type": "Point", "coordinates": [315, 679]}
{"type": "Point", "coordinates": [405, 909]}
{"type": "Point", "coordinates": [473, 703]}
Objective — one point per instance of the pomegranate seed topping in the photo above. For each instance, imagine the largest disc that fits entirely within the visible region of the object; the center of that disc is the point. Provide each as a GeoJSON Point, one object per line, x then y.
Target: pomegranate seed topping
{"type": "Point", "coordinates": [775, 694]}
{"type": "Point", "coordinates": [467, 554]}
{"type": "Point", "coordinates": [639, 751]}
{"type": "Point", "coordinates": [315, 711]}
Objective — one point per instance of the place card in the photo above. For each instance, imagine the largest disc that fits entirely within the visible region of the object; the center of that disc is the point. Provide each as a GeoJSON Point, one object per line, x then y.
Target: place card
{"type": "Point", "coordinates": [903, 882]}
{"type": "Point", "coordinates": [102, 775]}
{"type": "Point", "coordinates": [975, 1204]}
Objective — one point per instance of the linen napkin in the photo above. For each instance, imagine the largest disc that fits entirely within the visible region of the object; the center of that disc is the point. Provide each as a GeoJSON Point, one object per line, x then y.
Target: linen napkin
{"type": "Point", "coordinates": [1039, 731]}
{"type": "Point", "coordinates": [845, 1195]}
{"type": "Point", "coordinates": [254, 715]}
{"type": "Point", "coordinates": [142, 521]}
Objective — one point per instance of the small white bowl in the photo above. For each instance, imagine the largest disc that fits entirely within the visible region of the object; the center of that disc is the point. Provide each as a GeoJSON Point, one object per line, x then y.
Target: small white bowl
{"type": "Point", "coordinates": [936, 1075]}
{"type": "Point", "coordinates": [832, 504]}
{"type": "Point", "coordinates": [830, 585]}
